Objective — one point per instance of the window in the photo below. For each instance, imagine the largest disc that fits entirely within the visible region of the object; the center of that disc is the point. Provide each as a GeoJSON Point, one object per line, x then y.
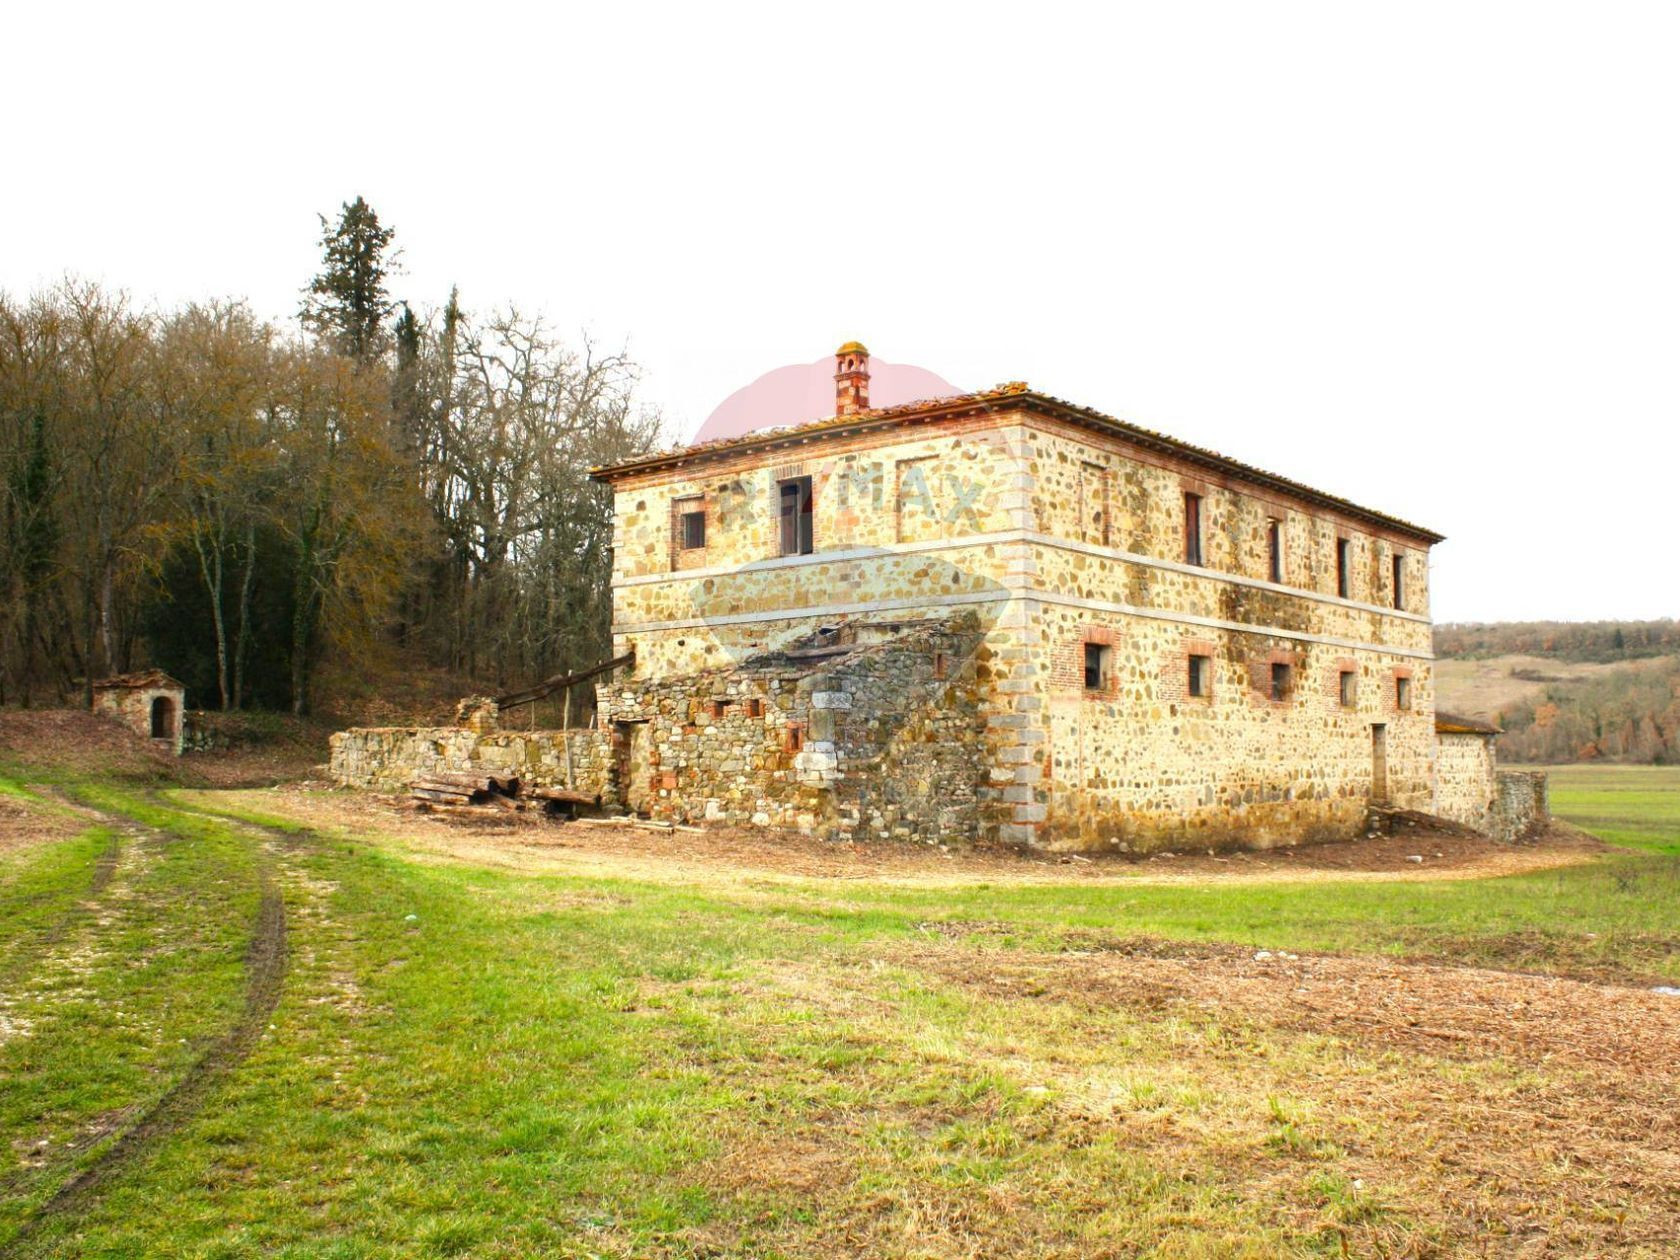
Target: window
{"type": "Point", "coordinates": [1192, 528]}
{"type": "Point", "coordinates": [941, 666]}
{"type": "Point", "coordinates": [794, 511]}
{"type": "Point", "coordinates": [1399, 562]}
{"type": "Point", "coordinates": [1402, 693]}
{"type": "Point", "coordinates": [755, 708]}
{"type": "Point", "coordinates": [1096, 667]}
{"type": "Point", "coordinates": [691, 529]}
{"type": "Point", "coordinates": [793, 739]}
{"type": "Point", "coordinates": [720, 710]}
{"type": "Point", "coordinates": [1344, 567]}
{"type": "Point", "coordinates": [1280, 680]}
{"type": "Point", "coordinates": [1349, 689]}
{"type": "Point", "coordinates": [1201, 676]}
{"type": "Point", "coordinates": [1274, 550]}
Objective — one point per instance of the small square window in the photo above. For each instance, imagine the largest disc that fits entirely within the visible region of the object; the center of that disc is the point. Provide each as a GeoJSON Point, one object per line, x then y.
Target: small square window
{"type": "Point", "coordinates": [794, 738]}
{"type": "Point", "coordinates": [1201, 676]}
{"type": "Point", "coordinates": [691, 529]}
{"type": "Point", "coordinates": [1349, 689]}
{"type": "Point", "coordinates": [755, 708]}
{"type": "Point", "coordinates": [720, 709]}
{"type": "Point", "coordinates": [1280, 681]}
{"type": "Point", "coordinates": [1402, 693]}
{"type": "Point", "coordinates": [1096, 667]}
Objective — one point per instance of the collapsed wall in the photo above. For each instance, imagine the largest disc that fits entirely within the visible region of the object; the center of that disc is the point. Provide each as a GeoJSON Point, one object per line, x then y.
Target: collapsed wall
{"type": "Point", "coordinates": [386, 758]}
{"type": "Point", "coordinates": [858, 732]}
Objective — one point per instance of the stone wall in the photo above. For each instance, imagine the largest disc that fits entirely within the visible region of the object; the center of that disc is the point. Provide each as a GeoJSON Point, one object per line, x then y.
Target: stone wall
{"type": "Point", "coordinates": [1140, 765]}
{"type": "Point", "coordinates": [1464, 778]}
{"type": "Point", "coordinates": [386, 758]}
{"type": "Point", "coordinates": [1521, 804]}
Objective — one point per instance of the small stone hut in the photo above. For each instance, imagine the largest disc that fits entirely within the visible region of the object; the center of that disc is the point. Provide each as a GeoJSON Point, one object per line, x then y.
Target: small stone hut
{"type": "Point", "coordinates": [150, 703]}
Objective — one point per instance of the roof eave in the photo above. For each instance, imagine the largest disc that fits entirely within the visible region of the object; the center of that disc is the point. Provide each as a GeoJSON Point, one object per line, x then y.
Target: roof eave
{"type": "Point", "coordinates": [1008, 401]}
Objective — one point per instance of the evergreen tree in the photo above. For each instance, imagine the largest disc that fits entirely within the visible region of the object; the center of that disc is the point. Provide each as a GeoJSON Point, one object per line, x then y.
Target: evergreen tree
{"type": "Point", "coordinates": [347, 303]}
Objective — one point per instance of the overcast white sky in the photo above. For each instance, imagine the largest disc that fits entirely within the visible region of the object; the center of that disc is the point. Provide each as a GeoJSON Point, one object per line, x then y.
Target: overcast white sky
{"type": "Point", "coordinates": [1426, 256]}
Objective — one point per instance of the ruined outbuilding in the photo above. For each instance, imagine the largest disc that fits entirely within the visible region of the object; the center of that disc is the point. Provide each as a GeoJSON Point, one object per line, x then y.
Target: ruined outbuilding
{"type": "Point", "coordinates": [1002, 617]}
{"type": "Point", "coordinates": [150, 703]}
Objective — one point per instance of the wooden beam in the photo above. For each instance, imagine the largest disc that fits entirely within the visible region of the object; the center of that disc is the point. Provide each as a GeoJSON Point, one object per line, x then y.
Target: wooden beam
{"type": "Point", "coordinates": [549, 686]}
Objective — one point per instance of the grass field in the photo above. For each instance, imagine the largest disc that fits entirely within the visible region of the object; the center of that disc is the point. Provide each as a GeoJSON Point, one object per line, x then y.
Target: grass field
{"type": "Point", "coordinates": [246, 1023]}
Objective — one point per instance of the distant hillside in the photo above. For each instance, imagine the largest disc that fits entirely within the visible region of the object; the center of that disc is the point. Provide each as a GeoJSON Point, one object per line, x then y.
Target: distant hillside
{"type": "Point", "coordinates": [1561, 640]}
{"type": "Point", "coordinates": [1567, 691]}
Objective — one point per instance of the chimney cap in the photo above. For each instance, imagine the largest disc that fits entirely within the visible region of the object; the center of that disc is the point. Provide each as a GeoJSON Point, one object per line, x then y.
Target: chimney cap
{"type": "Point", "coordinates": [853, 347]}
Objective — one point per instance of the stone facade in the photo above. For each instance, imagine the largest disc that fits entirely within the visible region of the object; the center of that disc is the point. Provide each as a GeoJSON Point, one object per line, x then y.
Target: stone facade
{"type": "Point", "coordinates": [1464, 777]}
{"type": "Point", "coordinates": [1072, 539]}
{"type": "Point", "coordinates": [150, 703]}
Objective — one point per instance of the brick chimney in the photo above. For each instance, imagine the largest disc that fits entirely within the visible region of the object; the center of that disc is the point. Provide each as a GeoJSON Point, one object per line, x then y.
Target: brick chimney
{"type": "Point", "coordinates": [851, 379]}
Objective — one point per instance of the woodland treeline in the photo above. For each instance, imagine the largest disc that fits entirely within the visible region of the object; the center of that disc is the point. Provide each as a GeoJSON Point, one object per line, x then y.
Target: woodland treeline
{"type": "Point", "coordinates": [233, 499]}
{"type": "Point", "coordinates": [1565, 640]}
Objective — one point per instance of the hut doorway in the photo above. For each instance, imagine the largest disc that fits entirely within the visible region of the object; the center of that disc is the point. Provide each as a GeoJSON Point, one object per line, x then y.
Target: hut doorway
{"type": "Point", "coordinates": [163, 718]}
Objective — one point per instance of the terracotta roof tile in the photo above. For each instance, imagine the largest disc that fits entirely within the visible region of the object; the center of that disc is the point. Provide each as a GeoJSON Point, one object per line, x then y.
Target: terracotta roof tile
{"type": "Point", "coordinates": [141, 678]}
{"type": "Point", "coordinates": [1452, 724]}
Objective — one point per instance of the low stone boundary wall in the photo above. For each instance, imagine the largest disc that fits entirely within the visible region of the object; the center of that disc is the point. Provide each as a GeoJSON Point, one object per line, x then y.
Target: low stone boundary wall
{"type": "Point", "coordinates": [385, 758]}
{"type": "Point", "coordinates": [1521, 803]}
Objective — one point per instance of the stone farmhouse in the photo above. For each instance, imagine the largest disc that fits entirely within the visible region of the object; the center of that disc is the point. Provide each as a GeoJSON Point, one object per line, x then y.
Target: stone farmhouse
{"type": "Point", "coordinates": [1003, 617]}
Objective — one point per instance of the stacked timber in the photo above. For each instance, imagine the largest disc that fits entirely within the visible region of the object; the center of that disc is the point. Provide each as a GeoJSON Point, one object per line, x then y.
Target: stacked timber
{"type": "Point", "coordinates": [467, 794]}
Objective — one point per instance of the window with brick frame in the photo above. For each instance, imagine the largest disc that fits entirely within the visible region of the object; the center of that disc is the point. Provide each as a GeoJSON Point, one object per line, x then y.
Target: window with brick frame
{"type": "Point", "coordinates": [1348, 688]}
{"type": "Point", "coordinates": [1199, 683]}
{"type": "Point", "coordinates": [1192, 528]}
{"type": "Point", "coordinates": [793, 738]}
{"type": "Point", "coordinates": [1398, 565]}
{"type": "Point", "coordinates": [1097, 666]}
{"type": "Point", "coordinates": [755, 708]}
{"type": "Point", "coordinates": [1402, 692]}
{"type": "Point", "coordinates": [1282, 681]}
{"type": "Point", "coordinates": [691, 526]}
{"type": "Point", "coordinates": [1344, 567]}
{"type": "Point", "coordinates": [1274, 550]}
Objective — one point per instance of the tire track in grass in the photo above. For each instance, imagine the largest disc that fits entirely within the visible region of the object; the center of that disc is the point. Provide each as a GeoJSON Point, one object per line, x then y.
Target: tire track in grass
{"type": "Point", "coordinates": [265, 974]}
{"type": "Point", "coordinates": [20, 955]}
